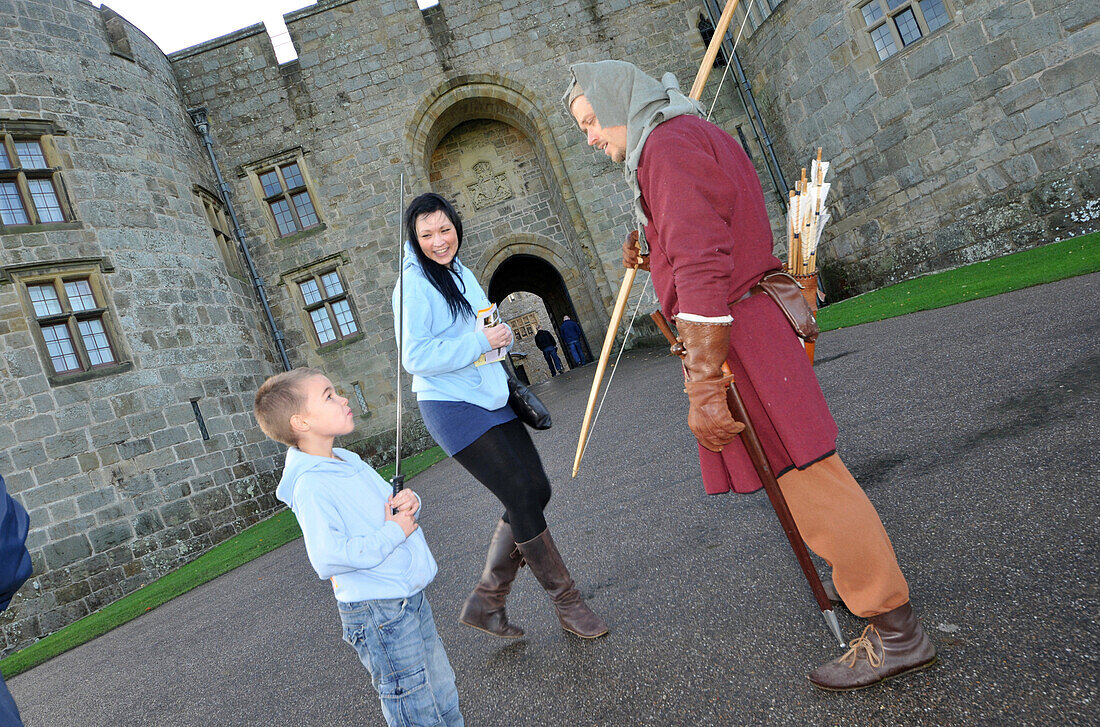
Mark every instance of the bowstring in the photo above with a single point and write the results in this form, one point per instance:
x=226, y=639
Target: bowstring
x=726, y=70
x=649, y=279
x=615, y=366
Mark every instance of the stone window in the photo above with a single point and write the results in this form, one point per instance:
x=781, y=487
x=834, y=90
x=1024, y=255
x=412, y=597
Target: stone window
x=757, y=13
x=74, y=329
x=32, y=191
x=222, y=229
x=894, y=24
x=326, y=304
x=524, y=326
x=284, y=186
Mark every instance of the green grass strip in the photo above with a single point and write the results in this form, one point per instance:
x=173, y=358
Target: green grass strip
x=265, y=536
x=1054, y=261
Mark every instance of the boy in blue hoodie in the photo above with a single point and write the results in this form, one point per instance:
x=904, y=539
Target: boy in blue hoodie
x=366, y=541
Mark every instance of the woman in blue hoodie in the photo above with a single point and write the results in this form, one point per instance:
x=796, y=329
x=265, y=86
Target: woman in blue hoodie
x=465, y=408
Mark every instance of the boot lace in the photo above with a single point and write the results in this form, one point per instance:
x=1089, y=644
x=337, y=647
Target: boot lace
x=863, y=646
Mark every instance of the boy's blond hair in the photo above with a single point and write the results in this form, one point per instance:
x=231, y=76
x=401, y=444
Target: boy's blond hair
x=278, y=399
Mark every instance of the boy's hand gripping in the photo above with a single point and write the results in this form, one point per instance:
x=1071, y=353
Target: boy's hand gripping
x=403, y=513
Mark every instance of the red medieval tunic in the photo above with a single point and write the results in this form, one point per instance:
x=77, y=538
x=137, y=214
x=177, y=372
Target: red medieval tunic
x=710, y=241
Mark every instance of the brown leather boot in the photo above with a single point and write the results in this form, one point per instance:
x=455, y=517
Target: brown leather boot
x=484, y=608
x=892, y=644
x=574, y=614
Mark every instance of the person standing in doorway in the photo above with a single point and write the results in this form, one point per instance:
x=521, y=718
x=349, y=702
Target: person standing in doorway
x=571, y=336
x=549, y=347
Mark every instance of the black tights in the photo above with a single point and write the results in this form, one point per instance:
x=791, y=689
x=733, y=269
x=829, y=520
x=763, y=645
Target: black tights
x=505, y=460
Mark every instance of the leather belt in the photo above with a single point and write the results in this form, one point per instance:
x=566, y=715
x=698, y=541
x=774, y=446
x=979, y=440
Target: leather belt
x=749, y=293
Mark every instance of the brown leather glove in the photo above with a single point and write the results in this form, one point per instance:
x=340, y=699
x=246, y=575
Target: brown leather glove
x=709, y=415
x=632, y=257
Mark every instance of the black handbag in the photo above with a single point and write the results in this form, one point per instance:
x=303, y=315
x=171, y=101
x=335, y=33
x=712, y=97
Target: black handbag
x=525, y=404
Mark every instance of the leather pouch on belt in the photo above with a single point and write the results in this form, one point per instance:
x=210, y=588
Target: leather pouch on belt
x=787, y=294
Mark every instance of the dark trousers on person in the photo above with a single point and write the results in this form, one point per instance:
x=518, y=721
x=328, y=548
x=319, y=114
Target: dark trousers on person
x=9, y=713
x=505, y=460
x=552, y=360
x=576, y=352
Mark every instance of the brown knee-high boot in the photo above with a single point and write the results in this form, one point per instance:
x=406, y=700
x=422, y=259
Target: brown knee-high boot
x=574, y=614
x=484, y=609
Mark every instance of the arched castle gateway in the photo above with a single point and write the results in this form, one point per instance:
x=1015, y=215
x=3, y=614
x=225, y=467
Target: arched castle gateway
x=485, y=143
x=131, y=334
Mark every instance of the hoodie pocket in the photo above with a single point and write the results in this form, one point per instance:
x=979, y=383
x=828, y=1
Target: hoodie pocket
x=468, y=378
x=400, y=560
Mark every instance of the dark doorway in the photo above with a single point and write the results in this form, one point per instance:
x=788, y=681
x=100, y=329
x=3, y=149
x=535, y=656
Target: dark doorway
x=531, y=274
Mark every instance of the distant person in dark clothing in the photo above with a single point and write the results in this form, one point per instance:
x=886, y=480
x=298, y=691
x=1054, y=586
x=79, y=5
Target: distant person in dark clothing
x=571, y=336
x=15, y=568
x=549, y=347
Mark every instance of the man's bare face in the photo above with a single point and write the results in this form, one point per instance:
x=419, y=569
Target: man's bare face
x=610, y=140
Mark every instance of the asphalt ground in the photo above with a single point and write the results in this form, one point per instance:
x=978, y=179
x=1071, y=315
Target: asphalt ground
x=974, y=430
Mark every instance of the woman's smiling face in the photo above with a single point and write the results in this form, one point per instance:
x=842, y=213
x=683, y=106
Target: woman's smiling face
x=437, y=237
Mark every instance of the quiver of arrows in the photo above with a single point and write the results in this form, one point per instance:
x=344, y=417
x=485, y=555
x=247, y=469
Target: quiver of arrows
x=806, y=218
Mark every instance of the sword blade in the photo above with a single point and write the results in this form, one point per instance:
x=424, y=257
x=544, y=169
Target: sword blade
x=398, y=480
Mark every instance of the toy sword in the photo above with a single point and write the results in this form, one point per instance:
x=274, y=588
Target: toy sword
x=398, y=480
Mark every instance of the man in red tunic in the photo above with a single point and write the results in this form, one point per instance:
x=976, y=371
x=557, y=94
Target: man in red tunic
x=701, y=210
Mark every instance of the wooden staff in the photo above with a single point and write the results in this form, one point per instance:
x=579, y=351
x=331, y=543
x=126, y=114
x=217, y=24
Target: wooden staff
x=767, y=477
x=628, y=279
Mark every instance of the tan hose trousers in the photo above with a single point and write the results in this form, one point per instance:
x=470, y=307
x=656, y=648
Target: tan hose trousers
x=840, y=524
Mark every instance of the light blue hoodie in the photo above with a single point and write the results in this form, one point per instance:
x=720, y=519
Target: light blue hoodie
x=439, y=351
x=340, y=505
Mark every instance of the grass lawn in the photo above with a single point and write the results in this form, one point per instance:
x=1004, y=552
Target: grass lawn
x=262, y=537
x=1058, y=260
x=1044, y=264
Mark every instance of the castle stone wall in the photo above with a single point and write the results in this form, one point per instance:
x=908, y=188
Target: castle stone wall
x=976, y=141
x=359, y=103
x=120, y=484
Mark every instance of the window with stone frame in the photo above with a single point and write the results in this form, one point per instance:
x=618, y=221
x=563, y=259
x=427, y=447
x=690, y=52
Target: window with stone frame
x=283, y=184
x=328, y=306
x=32, y=191
x=757, y=11
x=74, y=329
x=524, y=326
x=894, y=24
x=222, y=229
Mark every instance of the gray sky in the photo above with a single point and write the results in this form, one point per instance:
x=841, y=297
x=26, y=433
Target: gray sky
x=177, y=24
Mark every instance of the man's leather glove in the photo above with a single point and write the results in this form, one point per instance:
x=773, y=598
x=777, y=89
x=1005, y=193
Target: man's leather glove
x=709, y=415
x=632, y=257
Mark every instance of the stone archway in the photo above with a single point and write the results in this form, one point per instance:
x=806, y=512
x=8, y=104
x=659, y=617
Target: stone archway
x=532, y=274
x=484, y=142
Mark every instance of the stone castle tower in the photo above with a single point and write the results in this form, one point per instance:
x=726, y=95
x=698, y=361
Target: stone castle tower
x=131, y=333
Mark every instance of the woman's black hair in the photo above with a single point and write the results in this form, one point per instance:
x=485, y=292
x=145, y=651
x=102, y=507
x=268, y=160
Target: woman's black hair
x=442, y=278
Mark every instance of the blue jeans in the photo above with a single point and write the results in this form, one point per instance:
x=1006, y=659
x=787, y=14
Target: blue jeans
x=396, y=640
x=576, y=350
x=552, y=360
x=9, y=713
